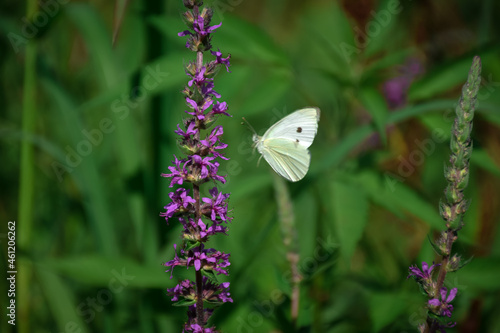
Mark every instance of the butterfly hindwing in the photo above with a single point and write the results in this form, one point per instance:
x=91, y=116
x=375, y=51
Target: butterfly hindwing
x=286, y=157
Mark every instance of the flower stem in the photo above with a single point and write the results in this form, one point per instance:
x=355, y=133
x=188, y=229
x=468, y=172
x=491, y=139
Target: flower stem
x=199, y=299
x=199, y=278
x=196, y=195
x=444, y=262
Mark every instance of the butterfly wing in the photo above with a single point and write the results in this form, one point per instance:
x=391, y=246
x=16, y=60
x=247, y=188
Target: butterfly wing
x=300, y=126
x=288, y=158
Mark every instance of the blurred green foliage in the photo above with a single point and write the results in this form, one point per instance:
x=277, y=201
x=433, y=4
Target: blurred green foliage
x=104, y=117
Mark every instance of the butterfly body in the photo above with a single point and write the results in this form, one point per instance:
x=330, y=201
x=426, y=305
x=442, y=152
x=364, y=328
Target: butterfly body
x=285, y=144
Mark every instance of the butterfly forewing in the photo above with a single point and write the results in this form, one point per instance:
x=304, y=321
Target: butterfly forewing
x=300, y=127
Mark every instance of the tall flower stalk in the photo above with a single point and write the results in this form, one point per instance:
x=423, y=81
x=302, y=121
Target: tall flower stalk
x=200, y=141
x=290, y=241
x=452, y=209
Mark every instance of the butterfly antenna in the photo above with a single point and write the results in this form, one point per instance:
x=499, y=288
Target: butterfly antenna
x=255, y=135
x=249, y=126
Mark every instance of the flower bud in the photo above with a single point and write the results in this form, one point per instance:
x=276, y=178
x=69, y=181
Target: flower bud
x=207, y=14
x=188, y=18
x=454, y=263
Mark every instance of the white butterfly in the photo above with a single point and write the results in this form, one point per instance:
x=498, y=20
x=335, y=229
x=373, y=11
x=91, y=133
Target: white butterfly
x=284, y=145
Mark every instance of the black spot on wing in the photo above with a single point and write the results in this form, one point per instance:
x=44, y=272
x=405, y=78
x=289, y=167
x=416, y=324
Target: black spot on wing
x=299, y=130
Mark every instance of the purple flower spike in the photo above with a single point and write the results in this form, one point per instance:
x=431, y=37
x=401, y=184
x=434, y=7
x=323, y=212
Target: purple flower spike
x=200, y=217
x=442, y=307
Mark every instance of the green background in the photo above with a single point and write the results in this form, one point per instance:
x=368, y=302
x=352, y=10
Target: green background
x=90, y=242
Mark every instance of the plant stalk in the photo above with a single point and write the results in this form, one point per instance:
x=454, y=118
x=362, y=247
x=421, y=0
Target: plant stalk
x=289, y=234
x=27, y=176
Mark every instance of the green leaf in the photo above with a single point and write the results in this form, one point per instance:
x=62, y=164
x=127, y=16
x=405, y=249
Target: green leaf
x=191, y=245
x=210, y=275
x=185, y=302
x=386, y=307
x=340, y=151
x=350, y=209
x=331, y=53
x=480, y=275
x=257, y=44
x=98, y=40
x=463, y=263
x=397, y=197
x=99, y=271
x=382, y=29
x=163, y=74
x=375, y=105
x=60, y=300
x=481, y=158
x=440, y=80
x=85, y=173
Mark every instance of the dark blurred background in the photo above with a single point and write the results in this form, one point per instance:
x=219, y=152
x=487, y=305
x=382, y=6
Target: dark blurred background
x=91, y=98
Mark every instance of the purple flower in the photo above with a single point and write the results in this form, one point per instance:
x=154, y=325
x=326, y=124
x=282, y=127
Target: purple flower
x=177, y=261
x=199, y=78
x=180, y=203
x=442, y=307
x=191, y=130
x=207, y=259
x=184, y=33
x=216, y=205
x=220, y=108
x=198, y=109
x=441, y=326
x=395, y=91
x=208, y=89
x=192, y=325
x=195, y=328
x=424, y=274
x=220, y=60
x=202, y=164
x=201, y=29
x=211, y=141
x=396, y=88
x=212, y=230
x=177, y=173
x=215, y=176
x=185, y=289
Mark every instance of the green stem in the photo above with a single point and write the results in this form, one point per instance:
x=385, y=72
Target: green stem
x=289, y=234
x=196, y=194
x=27, y=176
x=199, y=277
